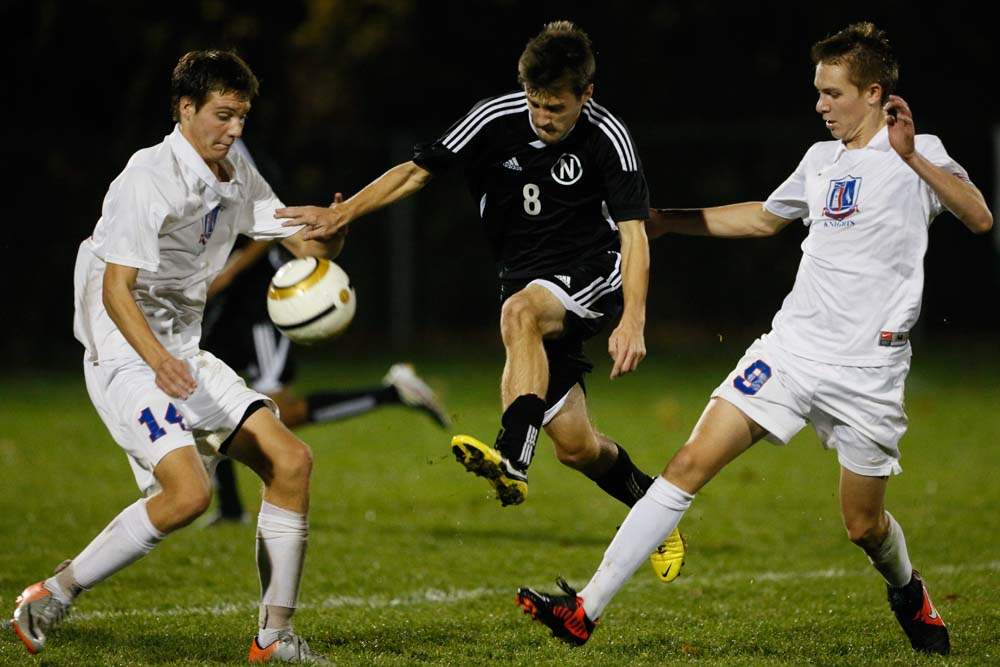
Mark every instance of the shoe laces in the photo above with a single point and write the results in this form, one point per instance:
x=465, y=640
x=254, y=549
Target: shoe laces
x=49, y=611
x=566, y=588
x=300, y=647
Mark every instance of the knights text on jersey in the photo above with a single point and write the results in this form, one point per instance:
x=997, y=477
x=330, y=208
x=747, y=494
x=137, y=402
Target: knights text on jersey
x=544, y=207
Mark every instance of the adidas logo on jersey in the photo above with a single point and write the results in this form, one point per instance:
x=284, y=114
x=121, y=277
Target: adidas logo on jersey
x=513, y=164
x=563, y=279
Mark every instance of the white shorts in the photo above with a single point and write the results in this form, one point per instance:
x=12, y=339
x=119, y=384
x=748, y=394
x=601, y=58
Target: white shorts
x=148, y=424
x=856, y=410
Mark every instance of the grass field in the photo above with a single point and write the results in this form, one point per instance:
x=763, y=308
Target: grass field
x=411, y=561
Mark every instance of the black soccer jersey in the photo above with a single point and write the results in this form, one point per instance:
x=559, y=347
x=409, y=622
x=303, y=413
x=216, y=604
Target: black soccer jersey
x=545, y=207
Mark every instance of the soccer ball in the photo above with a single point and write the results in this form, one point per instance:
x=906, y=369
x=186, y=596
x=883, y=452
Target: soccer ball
x=310, y=299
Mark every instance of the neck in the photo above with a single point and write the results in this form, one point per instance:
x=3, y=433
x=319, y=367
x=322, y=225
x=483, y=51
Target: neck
x=868, y=129
x=215, y=166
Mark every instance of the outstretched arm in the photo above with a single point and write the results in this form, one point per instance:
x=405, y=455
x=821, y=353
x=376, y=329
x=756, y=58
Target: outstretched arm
x=745, y=220
x=321, y=223
x=958, y=195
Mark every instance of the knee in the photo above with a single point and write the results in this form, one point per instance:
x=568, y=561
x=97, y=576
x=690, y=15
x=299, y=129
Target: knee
x=188, y=502
x=684, y=464
x=294, y=465
x=517, y=317
x=579, y=458
x=866, y=531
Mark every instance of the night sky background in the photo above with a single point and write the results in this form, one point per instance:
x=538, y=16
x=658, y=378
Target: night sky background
x=718, y=97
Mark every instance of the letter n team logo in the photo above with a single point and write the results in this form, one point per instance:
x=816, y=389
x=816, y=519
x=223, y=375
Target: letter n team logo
x=842, y=198
x=567, y=170
x=208, y=224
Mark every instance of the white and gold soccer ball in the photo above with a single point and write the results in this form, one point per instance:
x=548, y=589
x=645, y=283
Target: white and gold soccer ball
x=310, y=300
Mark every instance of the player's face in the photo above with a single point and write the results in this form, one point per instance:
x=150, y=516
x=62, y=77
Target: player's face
x=847, y=111
x=554, y=113
x=213, y=127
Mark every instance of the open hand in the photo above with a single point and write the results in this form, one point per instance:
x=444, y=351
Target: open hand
x=899, y=118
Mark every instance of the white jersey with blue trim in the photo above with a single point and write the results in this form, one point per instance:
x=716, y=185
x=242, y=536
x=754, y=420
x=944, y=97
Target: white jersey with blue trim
x=859, y=285
x=169, y=216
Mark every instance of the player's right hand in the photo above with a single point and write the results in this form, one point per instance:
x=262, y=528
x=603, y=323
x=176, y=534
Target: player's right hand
x=320, y=223
x=174, y=378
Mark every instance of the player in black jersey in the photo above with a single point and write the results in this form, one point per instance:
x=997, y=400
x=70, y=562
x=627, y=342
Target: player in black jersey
x=562, y=196
x=238, y=330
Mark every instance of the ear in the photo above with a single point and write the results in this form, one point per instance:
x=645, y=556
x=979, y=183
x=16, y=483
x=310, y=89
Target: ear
x=186, y=108
x=588, y=92
x=874, y=94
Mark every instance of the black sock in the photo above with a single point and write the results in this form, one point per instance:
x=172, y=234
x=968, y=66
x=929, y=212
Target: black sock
x=229, y=496
x=332, y=405
x=519, y=428
x=624, y=481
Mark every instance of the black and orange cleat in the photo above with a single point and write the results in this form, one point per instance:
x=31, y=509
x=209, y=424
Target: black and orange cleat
x=562, y=614
x=920, y=620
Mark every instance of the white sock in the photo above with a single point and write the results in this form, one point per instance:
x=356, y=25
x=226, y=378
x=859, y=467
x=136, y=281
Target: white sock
x=281, y=549
x=891, y=558
x=646, y=526
x=129, y=537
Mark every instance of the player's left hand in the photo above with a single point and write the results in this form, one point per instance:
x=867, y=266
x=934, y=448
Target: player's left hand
x=899, y=119
x=627, y=347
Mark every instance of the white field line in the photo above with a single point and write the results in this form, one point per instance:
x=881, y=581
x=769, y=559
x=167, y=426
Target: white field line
x=435, y=596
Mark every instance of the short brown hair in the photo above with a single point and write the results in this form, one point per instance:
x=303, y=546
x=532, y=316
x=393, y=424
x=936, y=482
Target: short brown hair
x=866, y=52
x=199, y=73
x=559, y=56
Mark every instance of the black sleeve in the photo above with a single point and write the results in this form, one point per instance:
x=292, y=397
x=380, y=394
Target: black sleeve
x=627, y=194
x=464, y=140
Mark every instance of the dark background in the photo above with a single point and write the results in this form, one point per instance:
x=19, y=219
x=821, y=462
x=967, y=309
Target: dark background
x=718, y=96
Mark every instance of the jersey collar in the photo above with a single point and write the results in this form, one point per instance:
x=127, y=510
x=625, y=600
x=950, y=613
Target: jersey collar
x=186, y=153
x=879, y=142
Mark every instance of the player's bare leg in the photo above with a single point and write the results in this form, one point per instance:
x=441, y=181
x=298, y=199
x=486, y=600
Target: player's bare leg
x=526, y=319
x=862, y=504
x=184, y=495
x=723, y=432
x=284, y=464
x=580, y=446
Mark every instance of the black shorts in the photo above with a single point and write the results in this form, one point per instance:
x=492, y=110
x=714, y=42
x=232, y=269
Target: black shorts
x=251, y=347
x=591, y=292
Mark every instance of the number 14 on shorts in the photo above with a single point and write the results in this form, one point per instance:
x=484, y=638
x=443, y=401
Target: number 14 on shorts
x=172, y=416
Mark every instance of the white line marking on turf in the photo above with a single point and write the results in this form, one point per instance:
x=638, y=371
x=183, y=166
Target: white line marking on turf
x=436, y=596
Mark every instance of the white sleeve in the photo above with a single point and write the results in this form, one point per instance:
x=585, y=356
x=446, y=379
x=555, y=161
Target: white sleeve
x=134, y=210
x=933, y=151
x=789, y=200
x=264, y=225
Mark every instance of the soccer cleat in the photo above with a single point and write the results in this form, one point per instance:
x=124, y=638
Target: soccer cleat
x=288, y=647
x=920, y=620
x=510, y=483
x=668, y=559
x=415, y=393
x=562, y=614
x=37, y=612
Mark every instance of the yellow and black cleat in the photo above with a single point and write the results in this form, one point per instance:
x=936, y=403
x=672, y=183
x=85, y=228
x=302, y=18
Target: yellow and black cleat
x=668, y=559
x=510, y=483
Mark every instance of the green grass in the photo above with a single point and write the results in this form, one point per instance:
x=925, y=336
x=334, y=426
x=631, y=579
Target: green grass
x=410, y=560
